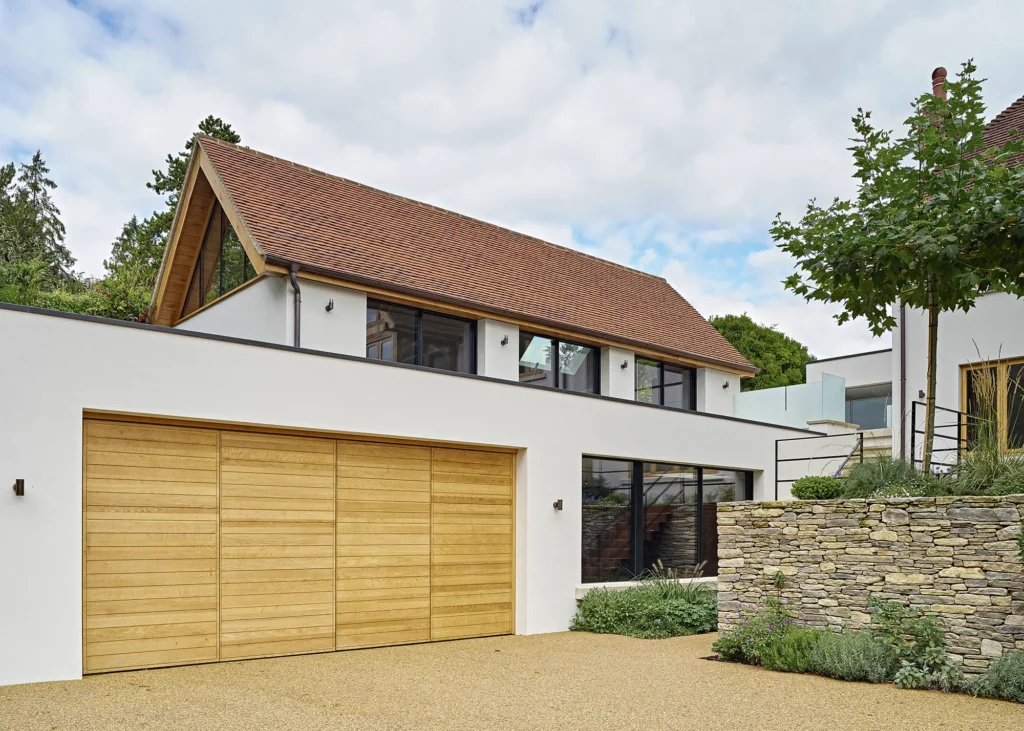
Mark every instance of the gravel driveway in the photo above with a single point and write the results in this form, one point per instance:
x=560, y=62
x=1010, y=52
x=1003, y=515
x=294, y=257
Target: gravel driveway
x=557, y=681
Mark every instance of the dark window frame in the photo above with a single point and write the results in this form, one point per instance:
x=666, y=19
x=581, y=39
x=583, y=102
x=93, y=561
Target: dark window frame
x=556, y=360
x=636, y=504
x=660, y=388
x=418, y=313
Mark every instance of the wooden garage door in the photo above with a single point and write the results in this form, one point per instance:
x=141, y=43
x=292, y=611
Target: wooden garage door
x=383, y=544
x=150, y=546
x=471, y=545
x=205, y=545
x=277, y=545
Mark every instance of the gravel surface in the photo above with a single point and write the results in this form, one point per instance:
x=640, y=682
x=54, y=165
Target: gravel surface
x=557, y=681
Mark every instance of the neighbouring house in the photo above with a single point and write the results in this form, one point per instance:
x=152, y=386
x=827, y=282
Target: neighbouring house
x=356, y=420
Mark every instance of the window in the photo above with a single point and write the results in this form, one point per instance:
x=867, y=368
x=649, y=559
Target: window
x=222, y=264
x=576, y=367
x=868, y=406
x=993, y=398
x=666, y=384
x=402, y=334
x=637, y=515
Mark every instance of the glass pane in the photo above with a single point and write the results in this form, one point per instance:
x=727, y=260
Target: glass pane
x=212, y=276
x=607, y=512
x=577, y=367
x=447, y=343
x=648, y=380
x=720, y=486
x=982, y=408
x=867, y=413
x=535, y=360
x=670, y=517
x=1015, y=406
x=678, y=387
x=392, y=328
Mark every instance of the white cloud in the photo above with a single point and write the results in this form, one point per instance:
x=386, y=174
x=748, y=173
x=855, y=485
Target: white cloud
x=662, y=134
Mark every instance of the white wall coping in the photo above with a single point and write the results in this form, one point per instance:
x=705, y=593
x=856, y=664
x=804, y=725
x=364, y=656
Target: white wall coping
x=582, y=589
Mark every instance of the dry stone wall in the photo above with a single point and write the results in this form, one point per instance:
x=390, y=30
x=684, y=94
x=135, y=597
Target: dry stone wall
x=955, y=557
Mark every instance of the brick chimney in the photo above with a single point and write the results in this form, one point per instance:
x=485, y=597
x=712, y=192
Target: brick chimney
x=939, y=82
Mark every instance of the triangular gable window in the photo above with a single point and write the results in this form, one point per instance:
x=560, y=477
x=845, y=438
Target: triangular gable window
x=222, y=264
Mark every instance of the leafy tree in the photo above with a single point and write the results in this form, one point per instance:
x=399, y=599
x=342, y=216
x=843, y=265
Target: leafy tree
x=30, y=225
x=141, y=243
x=936, y=222
x=780, y=358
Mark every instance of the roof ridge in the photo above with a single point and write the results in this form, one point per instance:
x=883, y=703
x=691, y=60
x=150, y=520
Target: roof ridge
x=413, y=201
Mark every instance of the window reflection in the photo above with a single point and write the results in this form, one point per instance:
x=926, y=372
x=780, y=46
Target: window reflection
x=607, y=528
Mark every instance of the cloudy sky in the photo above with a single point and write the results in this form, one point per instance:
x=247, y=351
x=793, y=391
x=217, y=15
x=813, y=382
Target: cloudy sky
x=663, y=135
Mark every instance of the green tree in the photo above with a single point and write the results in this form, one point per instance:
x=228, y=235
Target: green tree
x=30, y=225
x=936, y=222
x=780, y=358
x=141, y=244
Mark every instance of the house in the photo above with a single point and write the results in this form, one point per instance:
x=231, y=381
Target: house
x=356, y=420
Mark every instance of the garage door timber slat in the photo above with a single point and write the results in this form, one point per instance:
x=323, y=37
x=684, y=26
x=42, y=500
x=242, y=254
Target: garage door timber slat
x=202, y=545
x=383, y=492
x=276, y=528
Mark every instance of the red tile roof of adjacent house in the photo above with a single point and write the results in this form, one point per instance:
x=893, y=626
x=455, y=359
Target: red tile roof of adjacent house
x=345, y=229
x=1010, y=120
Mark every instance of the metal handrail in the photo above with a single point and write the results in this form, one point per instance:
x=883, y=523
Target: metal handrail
x=859, y=444
x=963, y=420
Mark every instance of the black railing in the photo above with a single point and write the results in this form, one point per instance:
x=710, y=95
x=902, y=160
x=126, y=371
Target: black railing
x=856, y=450
x=960, y=438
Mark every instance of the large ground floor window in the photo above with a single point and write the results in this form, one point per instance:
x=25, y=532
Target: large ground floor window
x=639, y=514
x=992, y=394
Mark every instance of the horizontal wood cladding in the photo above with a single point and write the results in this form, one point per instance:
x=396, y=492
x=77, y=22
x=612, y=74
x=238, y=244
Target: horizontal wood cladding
x=203, y=545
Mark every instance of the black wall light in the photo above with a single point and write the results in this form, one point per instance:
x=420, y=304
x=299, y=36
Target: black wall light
x=504, y=340
x=330, y=305
x=557, y=505
x=625, y=365
x=19, y=487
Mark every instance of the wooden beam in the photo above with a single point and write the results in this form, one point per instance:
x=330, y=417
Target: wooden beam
x=256, y=256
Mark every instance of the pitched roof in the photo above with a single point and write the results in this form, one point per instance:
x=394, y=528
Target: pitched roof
x=352, y=231
x=998, y=130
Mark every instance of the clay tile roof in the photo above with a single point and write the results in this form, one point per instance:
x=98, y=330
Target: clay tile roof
x=342, y=228
x=998, y=131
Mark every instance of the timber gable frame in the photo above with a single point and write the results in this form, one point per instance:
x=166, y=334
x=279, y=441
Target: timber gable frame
x=205, y=185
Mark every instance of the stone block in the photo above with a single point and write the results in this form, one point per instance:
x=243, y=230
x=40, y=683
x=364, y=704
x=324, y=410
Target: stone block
x=983, y=515
x=991, y=648
x=884, y=535
x=957, y=572
x=895, y=516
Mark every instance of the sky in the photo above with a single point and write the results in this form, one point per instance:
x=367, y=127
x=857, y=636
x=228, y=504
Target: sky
x=661, y=135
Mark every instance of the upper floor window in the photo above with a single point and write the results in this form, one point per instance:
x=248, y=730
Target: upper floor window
x=666, y=384
x=222, y=264
x=403, y=334
x=558, y=363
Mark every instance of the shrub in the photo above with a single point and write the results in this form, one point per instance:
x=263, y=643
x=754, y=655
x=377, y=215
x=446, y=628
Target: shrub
x=854, y=656
x=657, y=607
x=792, y=652
x=869, y=478
x=817, y=488
x=918, y=643
x=755, y=633
x=1010, y=480
x=1004, y=679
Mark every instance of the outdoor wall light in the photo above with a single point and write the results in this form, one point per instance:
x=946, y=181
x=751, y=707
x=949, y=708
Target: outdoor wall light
x=625, y=364
x=557, y=505
x=725, y=385
x=504, y=340
x=19, y=488
x=330, y=305
x=920, y=393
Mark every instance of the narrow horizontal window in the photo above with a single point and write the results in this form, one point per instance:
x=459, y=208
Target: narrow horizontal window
x=403, y=334
x=557, y=363
x=666, y=384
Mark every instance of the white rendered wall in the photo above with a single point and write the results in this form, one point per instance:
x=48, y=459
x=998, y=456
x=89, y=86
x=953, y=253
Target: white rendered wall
x=66, y=365
x=342, y=330
x=993, y=329
x=492, y=358
x=617, y=381
x=715, y=391
x=862, y=369
x=255, y=313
